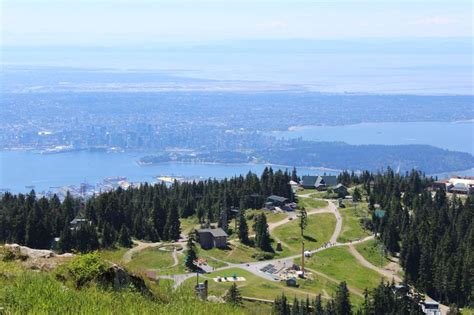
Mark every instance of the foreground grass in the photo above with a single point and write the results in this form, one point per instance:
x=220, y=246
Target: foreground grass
x=27, y=292
x=372, y=253
x=338, y=263
x=352, y=228
x=319, y=230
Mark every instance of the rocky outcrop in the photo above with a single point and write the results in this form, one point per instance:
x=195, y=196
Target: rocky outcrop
x=35, y=259
x=118, y=278
x=24, y=252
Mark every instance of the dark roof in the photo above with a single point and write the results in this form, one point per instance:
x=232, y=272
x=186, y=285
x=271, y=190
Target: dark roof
x=308, y=180
x=329, y=180
x=277, y=198
x=339, y=186
x=215, y=232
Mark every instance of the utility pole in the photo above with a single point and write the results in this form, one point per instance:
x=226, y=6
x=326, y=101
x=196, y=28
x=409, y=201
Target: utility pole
x=303, y=223
x=302, y=255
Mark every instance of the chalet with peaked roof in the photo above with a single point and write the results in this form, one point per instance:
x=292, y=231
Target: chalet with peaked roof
x=340, y=189
x=319, y=182
x=210, y=238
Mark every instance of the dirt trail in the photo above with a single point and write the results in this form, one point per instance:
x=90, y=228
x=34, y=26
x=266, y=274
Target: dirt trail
x=174, y=254
x=389, y=274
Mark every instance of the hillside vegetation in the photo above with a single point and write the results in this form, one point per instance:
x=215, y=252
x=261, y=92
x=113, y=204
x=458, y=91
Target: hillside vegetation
x=24, y=291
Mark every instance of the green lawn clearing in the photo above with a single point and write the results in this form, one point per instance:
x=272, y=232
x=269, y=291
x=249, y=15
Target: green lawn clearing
x=372, y=252
x=310, y=203
x=236, y=253
x=352, y=228
x=271, y=216
x=319, y=230
x=339, y=264
x=114, y=255
x=151, y=258
x=258, y=287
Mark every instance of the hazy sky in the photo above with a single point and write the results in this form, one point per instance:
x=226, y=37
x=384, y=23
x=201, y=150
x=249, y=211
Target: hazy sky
x=120, y=22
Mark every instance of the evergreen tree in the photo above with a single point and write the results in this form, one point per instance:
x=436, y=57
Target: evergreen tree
x=86, y=238
x=243, y=231
x=224, y=220
x=294, y=176
x=233, y=295
x=295, y=308
x=318, y=305
x=173, y=225
x=356, y=195
x=342, y=301
x=109, y=236
x=262, y=236
x=66, y=240
x=158, y=216
x=280, y=306
x=124, y=238
x=191, y=252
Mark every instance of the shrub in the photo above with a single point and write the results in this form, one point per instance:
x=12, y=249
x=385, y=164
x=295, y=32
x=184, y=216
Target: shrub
x=263, y=255
x=7, y=254
x=85, y=268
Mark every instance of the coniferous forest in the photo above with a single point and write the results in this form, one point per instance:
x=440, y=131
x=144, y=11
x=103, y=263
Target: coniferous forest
x=149, y=212
x=432, y=233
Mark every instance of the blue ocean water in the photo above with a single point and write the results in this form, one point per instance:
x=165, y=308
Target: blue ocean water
x=446, y=135
x=19, y=169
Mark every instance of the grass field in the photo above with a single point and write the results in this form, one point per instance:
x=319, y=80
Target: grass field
x=351, y=227
x=310, y=203
x=178, y=269
x=372, y=253
x=319, y=230
x=305, y=191
x=237, y=253
x=271, y=217
x=258, y=287
x=255, y=286
x=114, y=255
x=150, y=258
x=339, y=264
